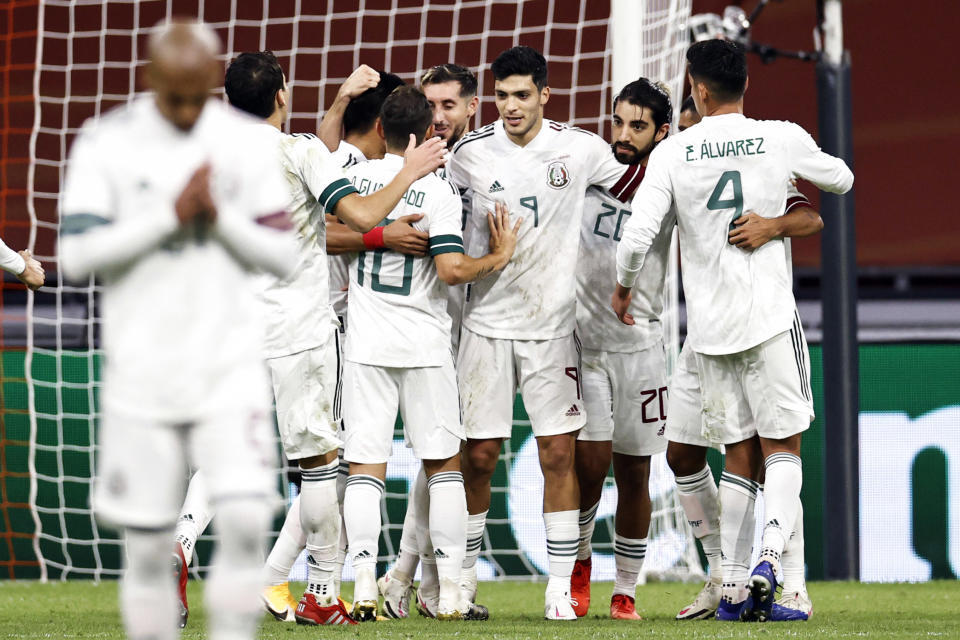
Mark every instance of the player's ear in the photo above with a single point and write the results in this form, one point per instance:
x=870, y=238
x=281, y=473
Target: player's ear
x=380, y=130
x=544, y=95
x=472, y=106
x=662, y=132
x=281, y=98
x=429, y=133
x=746, y=84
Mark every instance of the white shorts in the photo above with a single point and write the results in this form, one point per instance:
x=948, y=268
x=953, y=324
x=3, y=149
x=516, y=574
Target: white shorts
x=426, y=398
x=684, y=411
x=142, y=466
x=547, y=372
x=306, y=387
x=626, y=399
x=764, y=390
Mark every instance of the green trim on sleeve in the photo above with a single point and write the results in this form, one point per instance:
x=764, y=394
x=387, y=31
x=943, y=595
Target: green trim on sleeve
x=80, y=222
x=447, y=243
x=335, y=192
x=446, y=248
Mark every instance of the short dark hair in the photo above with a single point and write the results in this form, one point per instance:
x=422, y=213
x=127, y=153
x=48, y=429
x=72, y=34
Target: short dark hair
x=688, y=105
x=362, y=112
x=252, y=82
x=405, y=111
x=721, y=65
x=645, y=93
x=451, y=73
x=521, y=61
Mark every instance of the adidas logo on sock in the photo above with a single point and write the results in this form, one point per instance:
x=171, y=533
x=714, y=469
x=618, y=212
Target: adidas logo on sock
x=574, y=410
x=362, y=554
x=440, y=555
x=495, y=187
x=310, y=560
x=773, y=523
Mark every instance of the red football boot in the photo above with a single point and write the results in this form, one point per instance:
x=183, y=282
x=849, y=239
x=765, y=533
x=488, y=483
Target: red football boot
x=621, y=608
x=180, y=571
x=309, y=612
x=580, y=587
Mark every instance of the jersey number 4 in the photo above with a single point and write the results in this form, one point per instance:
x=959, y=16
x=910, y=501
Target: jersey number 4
x=718, y=203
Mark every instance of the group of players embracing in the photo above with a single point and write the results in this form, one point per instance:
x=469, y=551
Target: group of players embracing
x=534, y=217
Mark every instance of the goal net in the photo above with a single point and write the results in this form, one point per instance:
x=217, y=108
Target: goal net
x=87, y=58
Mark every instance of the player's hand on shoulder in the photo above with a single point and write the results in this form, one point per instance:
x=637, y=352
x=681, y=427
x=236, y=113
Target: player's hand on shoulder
x=426, y=158
x=194, y=205
x=400, y=236
x=32, y=274
x=752, y=231
x=620, y=301
x=363, y=77
x=503, y=236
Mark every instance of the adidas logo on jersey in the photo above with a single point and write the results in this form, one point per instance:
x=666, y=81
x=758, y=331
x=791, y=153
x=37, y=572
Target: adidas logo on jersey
x=574, y=410
x=495, y=187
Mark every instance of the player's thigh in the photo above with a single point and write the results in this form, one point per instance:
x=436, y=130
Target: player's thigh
x=549, y=379
x=141, y=472
x=639, y=401
x=684, y=408
x=370, y=402
x=727, y=416
x=777, y=386
x=597, y=397
x=307, y=391
x=486, y=379
x=430, y=410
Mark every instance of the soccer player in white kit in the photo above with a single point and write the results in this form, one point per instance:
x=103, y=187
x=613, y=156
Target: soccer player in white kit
x=398, y=358
x=451, y=90
x=518, y=327
x=743, y=329
x=624, y=370
x=170, y=200
x=23, y=265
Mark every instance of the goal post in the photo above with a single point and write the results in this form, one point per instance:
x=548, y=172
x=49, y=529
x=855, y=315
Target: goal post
x=88, y=58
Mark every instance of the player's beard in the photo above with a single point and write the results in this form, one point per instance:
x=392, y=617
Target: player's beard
x=629, y=154
x=455, y=136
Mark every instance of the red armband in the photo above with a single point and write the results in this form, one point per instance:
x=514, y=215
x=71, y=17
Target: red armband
x=373, y=239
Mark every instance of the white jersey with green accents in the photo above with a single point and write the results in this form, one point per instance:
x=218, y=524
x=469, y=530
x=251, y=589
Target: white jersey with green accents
x=597, y=325
x=713, y=173
x=345, y=156
x=534, y=297
x=298, y=315
x=398, y=304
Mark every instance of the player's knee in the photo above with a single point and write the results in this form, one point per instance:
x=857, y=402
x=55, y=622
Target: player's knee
x=632, y=473
x=680, y=461
x=556, y=455
x=481, y=459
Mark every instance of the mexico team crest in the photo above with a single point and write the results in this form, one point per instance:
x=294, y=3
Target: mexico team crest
x=557, y=175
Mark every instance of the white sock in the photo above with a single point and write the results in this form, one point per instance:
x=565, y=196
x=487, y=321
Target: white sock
x=628, y=555
x=448, y=532
x=792, y=560
x=429, y=577
x=476, y=523
x=287, y=547
x=342, y=546
x=320, y=519
x=148, y=593
x=232, y=593
x=737, y=497
x=361, y=515
x=698, y=496
x=563, y=538
x=194, y=517
x=587, y=519
x=409, y=556
x=781, y=494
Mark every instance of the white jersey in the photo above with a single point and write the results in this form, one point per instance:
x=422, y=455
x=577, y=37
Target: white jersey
x=10, y=260
x=346, y=156
x=598, y=326
x=712, y=173
x=534, y=297
x=298, y=314
x=179, y=314
x=398, y=303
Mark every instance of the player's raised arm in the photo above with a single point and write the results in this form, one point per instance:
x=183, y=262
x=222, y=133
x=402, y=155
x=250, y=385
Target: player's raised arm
x=811, y=163
x=363, y=213
x=330, y=130
x=455, y=267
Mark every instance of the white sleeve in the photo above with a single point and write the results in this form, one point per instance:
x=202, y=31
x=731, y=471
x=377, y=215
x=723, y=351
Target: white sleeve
x=457, y=171
x=10, y=260
x=810, y=163
x=444, y=231
x=319, y=171
x=650, y=205
x=91, y=240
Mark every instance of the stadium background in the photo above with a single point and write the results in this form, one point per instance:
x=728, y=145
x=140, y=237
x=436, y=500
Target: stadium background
x=903, y=130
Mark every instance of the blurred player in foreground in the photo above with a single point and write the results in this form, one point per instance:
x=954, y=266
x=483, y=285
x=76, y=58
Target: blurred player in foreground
x=23, y=265
x=451, y=90
x=624, y=370
x=750, y=354
x=398, y=359
x=170, y=201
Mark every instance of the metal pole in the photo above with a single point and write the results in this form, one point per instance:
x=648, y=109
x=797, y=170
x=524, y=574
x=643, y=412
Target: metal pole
x=839, y=292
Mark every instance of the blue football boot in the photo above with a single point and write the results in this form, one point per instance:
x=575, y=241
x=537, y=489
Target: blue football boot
x=729, y=611
x=763, y=589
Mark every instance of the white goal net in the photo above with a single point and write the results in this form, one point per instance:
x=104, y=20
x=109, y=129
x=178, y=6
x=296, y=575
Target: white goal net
x=88, y=58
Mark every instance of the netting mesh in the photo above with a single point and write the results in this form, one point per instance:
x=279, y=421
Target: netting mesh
x=88, y=56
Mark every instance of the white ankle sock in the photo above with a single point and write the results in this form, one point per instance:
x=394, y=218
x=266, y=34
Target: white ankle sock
x=781, y=495
x=195, y=515
x=476, y=522
x=563, y=539
x=792, y=560
x=320, y=519
x=737, y=498
x=448, y=531
x=698, y=496
x=587, y=521
x=361, y=514
x=628, y=554
x=287, y=548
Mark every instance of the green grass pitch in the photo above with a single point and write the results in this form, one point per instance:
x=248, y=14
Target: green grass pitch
x=841, y=610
